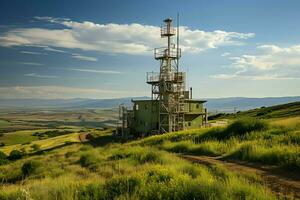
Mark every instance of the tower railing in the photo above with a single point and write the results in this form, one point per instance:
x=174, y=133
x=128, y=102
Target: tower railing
x=155, y=77
x=167, y=31
x=163, y=52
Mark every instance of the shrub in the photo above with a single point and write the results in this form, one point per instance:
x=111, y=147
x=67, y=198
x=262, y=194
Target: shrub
x=148, y=156
x=88, y=160
x=238, y=128
x=69, y=154
x=2, y=155
x=181, y=147
x=15, y=155
x=121, y=186
x=286, y=157
x=91, y=191
x=35, y=147
x=243, y=126
x=30, y=167
x=3, y=158
x=2, y=144
x=140, y=154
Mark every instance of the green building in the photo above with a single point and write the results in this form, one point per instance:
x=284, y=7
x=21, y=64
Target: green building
x=143, y=119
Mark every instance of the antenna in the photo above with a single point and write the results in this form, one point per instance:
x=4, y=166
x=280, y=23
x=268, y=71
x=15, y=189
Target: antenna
x=177, y=41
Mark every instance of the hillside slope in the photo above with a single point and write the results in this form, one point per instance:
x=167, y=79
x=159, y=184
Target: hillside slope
x=278, y=111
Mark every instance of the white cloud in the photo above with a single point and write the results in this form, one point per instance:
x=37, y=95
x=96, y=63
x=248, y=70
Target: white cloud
x=225, y=54
x=115, y=38
x=97, y=71
x=39, y=76
x=32, y=53
x=32, y=63
x=270, y=63
x=52, y=49
x=265, y=77
x=53, y=92
x=85, y=58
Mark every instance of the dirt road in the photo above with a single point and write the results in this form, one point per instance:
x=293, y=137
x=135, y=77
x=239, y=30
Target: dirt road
x=285, y=184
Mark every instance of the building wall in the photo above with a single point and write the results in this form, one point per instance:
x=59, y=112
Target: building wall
x=145, y=116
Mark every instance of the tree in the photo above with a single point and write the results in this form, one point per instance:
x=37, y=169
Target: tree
x=15, y=155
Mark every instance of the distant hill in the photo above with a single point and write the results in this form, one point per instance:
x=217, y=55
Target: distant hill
x=283, y=110
x=229, y=105
x=65, y=103
x=278, y=111
x=214, y=105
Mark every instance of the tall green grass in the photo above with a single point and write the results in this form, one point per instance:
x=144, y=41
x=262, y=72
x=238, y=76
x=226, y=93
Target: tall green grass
x=247, y=139
x=129, y=172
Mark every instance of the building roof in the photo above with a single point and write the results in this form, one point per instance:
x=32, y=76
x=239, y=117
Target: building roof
x=188, y=100
x=141, y=100
x=195, y=100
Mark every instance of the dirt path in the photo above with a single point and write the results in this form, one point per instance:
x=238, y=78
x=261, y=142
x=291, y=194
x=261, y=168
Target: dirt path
x=285, y=184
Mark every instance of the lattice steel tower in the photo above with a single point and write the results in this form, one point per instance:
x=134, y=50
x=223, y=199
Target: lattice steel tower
x=168, y=85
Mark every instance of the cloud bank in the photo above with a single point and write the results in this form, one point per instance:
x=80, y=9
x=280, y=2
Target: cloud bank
x=54, y=92
x=270, y=63
x=134, y=39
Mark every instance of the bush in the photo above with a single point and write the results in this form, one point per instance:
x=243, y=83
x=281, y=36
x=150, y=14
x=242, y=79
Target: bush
x=123, y=185
x=139, y=154
x=243, y=126
x=30, y=167
x=2, y=155
x=286, y=157
x=181, y=147
x=238, y=128
x=148, y=157
x=2, y=144
x=15, y=155
x=88, y=160
x=91, y=191
x=35, y=147
x=3, y=158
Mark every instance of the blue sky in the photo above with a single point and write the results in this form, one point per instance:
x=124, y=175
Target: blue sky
x=103, y=49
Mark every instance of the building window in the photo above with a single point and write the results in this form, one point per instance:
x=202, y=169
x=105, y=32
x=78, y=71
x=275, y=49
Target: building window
x=137, y=107
x=189, y=123
x=146, y=107
x=197, y=105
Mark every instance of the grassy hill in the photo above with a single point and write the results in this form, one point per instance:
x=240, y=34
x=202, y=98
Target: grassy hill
x=278, y=111
x=121, y=171
x=106, y=167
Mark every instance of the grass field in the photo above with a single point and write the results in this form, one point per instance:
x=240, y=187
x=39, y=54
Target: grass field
x=43, y=144
x=273, y=143
x=151, y=168
x=18, y=137
x=122, y=172
x=4, y=123
x=14, y=120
